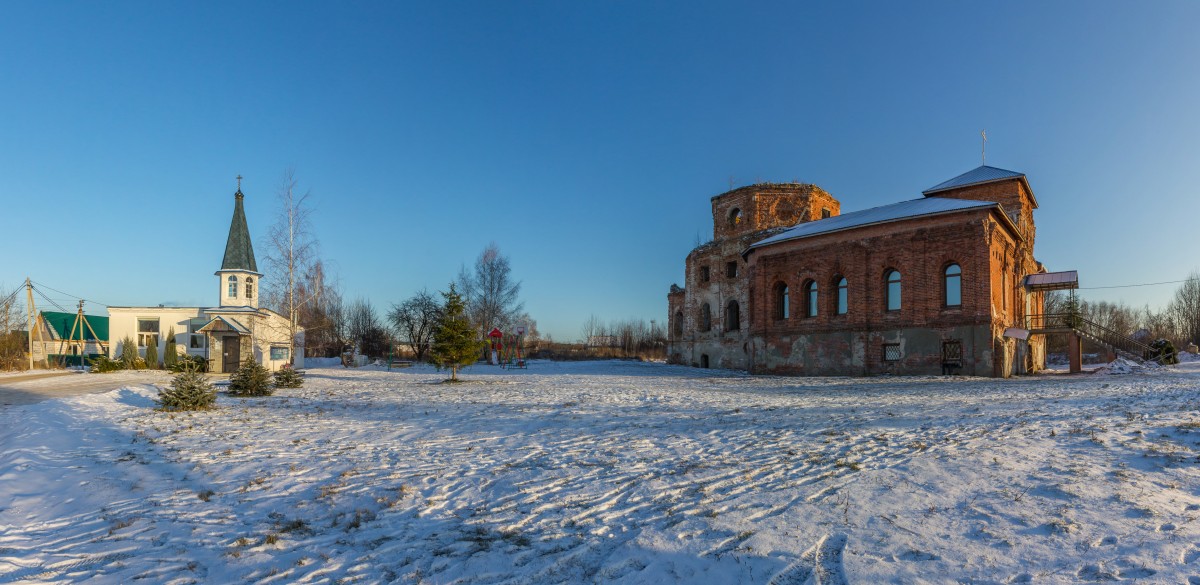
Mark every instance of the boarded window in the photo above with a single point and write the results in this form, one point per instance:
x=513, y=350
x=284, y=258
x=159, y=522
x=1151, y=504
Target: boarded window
x=891, y=352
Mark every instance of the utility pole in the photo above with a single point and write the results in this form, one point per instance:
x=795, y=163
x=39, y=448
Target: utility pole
x=31, y=321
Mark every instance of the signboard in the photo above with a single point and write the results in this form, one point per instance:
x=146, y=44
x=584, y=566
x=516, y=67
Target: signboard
x=496, y=333
x=519, y=330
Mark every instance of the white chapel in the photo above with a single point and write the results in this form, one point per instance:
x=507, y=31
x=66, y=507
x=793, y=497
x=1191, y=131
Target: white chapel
x=226, y=335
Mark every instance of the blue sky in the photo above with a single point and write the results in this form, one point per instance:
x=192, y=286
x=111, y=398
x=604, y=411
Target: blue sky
x=584, y=138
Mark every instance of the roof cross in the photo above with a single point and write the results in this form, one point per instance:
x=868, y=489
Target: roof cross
x=983, y=150
x=239, y=178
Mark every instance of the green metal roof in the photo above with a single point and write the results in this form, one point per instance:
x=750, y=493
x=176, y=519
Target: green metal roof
x=239, y=252
x=63, y=322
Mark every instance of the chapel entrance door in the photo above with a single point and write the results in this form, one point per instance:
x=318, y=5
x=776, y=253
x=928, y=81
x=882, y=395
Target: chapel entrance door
x=231, y=353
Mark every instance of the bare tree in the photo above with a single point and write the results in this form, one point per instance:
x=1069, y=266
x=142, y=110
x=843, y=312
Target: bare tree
x=323, y=316
x=364, y=328
x=1185, y=308
x=591, y=329
x=12, y=322
x=491, y=295
x=291, y=252
x=414, y=321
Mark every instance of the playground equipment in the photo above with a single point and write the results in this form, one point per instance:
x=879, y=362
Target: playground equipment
x=508, y=349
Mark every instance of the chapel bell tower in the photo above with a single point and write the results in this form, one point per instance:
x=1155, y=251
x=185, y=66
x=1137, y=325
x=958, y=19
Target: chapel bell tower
x=239, y=280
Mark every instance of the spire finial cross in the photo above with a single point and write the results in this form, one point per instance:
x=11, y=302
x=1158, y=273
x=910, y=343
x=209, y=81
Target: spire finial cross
x=239, y=178
x=983, y=150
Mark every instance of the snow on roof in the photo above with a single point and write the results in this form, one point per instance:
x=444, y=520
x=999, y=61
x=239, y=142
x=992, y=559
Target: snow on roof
x=976, y=176
x=875, y=215
x=1066, y=279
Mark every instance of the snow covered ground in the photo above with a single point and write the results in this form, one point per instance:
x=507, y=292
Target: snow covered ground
x=613, y=472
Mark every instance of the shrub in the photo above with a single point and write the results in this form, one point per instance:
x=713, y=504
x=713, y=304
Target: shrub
x=288, y=377
x=251, y=380
x=190, y=362
x=129, y=353
x=1163, y=352
x=152, y=356
x=171, y=353
x=190, y=390
x=102, y=365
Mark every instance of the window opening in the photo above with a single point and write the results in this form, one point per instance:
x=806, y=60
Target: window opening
x=249, y=288
x=842, y=297
x=731, y=269
x=703, y=274
x=811, y=293
x=232, y=286
x=953, y=285
x=732, y=317
x=781, y=301
x=891, y=352
x=705, y=317
x=893, y=290
x=147, y=332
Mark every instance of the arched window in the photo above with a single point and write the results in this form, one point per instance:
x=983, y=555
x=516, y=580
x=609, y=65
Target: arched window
x=810, y=299
x=953, y=285
x=249, y=288
x=705, y=317
x=842, y=300
x=678, y=326
x=232, y=286
x=781, y=301
x=732, y=317
x=735, y=217
x=892, y=292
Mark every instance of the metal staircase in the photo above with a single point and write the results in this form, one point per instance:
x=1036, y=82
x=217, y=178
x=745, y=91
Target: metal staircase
x=1119, y=343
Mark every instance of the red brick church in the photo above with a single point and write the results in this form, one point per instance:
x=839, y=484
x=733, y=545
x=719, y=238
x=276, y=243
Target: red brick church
x=791, y=285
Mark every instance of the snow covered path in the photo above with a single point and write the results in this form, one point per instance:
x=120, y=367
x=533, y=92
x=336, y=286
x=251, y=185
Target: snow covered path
x=613, y=472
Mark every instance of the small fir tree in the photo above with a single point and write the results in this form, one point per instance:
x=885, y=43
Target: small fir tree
x=455, y=343
x=250, y=380
x=190, y=390
x=129, y=353
x=171, y=354
x=152, y=355
x=288, y=377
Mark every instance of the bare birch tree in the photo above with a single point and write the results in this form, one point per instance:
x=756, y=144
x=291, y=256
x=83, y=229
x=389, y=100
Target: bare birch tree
x=491, y=295
x=291, y=254
x=12, y=321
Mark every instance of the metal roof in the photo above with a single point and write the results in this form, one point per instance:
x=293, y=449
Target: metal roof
x=239, y=252
x=61, y=325
x=220, y=323
x=876, y=215
x=1067, y=279
x=976, y=176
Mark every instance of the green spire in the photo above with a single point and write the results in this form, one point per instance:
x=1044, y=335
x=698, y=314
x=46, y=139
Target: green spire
x=239, y=252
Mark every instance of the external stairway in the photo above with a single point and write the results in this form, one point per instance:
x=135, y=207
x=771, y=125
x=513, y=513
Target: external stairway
x=1120, y=344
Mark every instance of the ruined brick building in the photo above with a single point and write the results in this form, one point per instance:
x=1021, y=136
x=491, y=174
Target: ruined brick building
x=791, y=285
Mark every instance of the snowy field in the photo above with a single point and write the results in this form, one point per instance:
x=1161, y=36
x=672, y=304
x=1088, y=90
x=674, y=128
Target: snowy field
x=613, y=472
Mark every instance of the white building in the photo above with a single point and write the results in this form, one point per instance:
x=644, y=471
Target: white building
x=227, y=335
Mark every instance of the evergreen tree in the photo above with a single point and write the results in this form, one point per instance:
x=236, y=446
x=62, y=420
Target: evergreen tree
x=152, y=355
x=129, y=353
x=288, y=377
x=171, y=355
x=190, y=390
x=250, y=380
x=455, y=342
